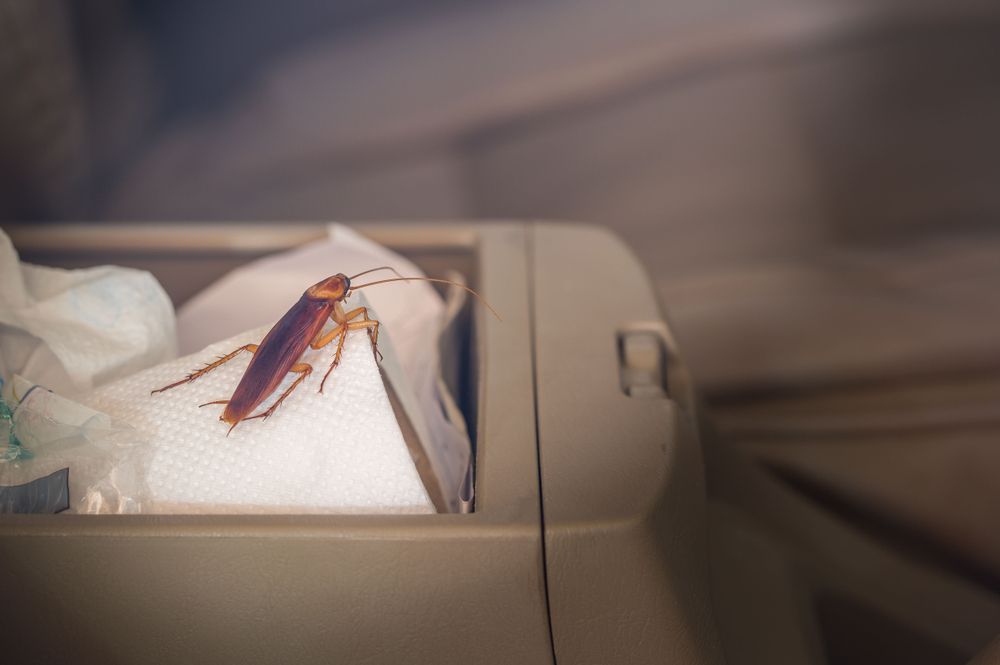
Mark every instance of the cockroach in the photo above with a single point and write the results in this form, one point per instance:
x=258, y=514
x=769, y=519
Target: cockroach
x=300, y=327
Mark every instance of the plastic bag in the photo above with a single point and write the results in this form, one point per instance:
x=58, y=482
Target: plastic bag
x=57, y=455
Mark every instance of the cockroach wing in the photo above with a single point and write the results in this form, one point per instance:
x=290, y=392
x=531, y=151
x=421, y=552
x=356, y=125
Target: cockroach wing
x=281, y=348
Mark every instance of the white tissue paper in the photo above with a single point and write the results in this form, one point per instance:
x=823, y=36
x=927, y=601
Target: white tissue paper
x=71, y=330
x=340, y=451
x=412, y=313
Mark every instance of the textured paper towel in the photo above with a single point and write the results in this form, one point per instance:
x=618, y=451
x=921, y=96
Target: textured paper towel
x=337, y=452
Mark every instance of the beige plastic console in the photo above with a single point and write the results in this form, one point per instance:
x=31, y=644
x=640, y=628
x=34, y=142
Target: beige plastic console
x=587, y=540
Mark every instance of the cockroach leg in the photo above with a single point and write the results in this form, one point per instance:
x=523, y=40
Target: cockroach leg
x=207, y=368
x=219, y=401
x=372, y=329
x=336, y=356
x=322, y=340
x=371, y=325
x=304, y=370
x=368, y=321
x=340, y=318
x=344, y=323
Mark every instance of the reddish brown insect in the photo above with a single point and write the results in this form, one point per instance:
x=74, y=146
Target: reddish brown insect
x=300, y=327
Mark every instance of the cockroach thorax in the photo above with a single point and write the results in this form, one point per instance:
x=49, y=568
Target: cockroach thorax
x=332, y=288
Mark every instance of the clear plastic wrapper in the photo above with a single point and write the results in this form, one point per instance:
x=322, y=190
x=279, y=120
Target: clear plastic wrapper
x=59, y=456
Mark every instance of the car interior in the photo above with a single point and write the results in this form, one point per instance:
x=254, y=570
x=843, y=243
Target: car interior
x=739, y=401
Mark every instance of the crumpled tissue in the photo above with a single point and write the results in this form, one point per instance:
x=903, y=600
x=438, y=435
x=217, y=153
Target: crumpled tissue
x=59, y=455
x=72, y=330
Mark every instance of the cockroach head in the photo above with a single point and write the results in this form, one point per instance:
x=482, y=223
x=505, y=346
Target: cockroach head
x=331, y=288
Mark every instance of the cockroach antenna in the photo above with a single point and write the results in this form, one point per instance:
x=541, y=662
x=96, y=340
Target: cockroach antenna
x=431, y=279
x=353, y=277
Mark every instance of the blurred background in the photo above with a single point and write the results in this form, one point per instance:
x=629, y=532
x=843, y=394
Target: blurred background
x=813, y=185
